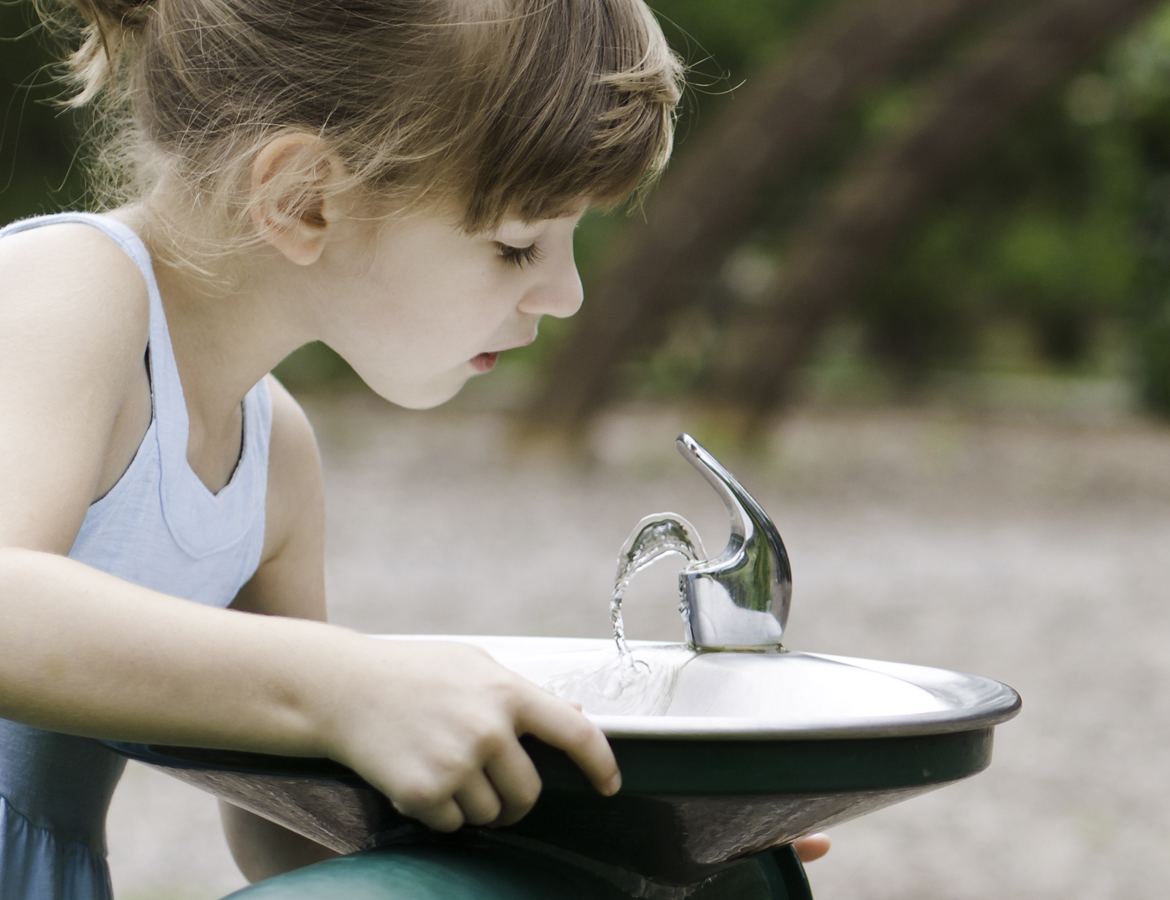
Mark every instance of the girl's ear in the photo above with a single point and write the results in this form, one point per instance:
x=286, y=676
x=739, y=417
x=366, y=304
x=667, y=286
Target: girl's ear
x=291, y=178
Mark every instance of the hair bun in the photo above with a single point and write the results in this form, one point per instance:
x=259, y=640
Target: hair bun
x=124, y=14
x=108, y=25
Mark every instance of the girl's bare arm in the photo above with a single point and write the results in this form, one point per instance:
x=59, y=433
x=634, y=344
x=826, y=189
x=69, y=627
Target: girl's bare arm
x=432, y=725
x=289, y=582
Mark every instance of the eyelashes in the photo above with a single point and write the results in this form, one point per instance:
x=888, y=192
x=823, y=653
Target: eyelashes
x=519, y=256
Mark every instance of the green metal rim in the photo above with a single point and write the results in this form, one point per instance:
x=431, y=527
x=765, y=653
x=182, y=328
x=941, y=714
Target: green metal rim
x=768, y=767
x=684, y=766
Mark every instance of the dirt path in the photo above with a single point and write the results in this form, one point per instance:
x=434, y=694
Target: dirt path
x=1035, y=554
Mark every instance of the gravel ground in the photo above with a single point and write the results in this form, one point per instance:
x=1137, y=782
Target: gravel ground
x=1034, y=553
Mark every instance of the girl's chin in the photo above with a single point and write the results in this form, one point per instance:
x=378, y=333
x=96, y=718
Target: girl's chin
x=423, y=396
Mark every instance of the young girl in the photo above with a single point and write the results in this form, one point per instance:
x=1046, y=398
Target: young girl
x=398, y=178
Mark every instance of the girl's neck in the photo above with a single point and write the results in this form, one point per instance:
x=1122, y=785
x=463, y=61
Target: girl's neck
x=229, y=327
x=227, y=334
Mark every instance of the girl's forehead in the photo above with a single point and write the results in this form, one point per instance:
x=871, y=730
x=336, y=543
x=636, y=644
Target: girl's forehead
x=513, y=224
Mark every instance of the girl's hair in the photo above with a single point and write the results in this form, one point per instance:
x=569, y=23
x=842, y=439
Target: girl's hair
x=518, y=108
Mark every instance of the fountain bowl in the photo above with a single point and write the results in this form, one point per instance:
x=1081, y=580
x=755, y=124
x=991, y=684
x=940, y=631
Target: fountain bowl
x=753, y=750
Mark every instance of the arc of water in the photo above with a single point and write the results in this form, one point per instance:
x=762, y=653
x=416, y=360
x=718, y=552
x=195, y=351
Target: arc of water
x=654, y=537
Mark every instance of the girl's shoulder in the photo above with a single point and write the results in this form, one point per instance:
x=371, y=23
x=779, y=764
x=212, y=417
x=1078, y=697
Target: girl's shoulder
x=71, y=279
x=74, y=396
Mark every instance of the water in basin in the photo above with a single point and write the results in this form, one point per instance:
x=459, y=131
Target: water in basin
x=639, y=682
x=781, y=693
x=799, y=689
x=622, y=682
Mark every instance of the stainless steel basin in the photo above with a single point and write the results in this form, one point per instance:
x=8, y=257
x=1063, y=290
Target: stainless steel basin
x=757, y=695
x=751, y=749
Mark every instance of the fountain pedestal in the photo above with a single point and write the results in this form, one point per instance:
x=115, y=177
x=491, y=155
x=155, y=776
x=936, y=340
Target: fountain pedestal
x=483, y=867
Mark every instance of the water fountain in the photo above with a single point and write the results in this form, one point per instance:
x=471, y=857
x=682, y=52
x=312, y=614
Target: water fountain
x=730, y=747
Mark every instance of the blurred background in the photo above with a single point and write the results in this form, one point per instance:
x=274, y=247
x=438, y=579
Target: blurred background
x=909, y=275
x=872, y=201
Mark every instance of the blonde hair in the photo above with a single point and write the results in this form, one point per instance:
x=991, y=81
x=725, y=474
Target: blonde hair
x=505, y=108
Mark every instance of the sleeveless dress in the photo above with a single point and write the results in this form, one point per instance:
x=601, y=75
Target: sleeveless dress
x=159, y=527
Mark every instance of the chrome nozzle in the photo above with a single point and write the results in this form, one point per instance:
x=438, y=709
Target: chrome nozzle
x=740, y=599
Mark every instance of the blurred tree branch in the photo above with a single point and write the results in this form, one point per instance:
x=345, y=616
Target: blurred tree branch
x=878, y=198
x=697, y=213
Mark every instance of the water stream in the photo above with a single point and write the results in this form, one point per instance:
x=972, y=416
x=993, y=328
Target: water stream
x=653, y=538
x=639, y=681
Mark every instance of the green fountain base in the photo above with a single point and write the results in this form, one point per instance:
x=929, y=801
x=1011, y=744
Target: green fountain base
x=486, y=867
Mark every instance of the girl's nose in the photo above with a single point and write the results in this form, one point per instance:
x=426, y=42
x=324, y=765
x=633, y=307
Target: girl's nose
x=559, y=295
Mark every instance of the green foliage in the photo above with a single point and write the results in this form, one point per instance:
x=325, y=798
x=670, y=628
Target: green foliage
x=38, y=140
x=315, y=366
x=1058, y=232
x=1062, y=229
x=1041, y=231
x=1146, y=67
x=733, y=37
x=919, y=312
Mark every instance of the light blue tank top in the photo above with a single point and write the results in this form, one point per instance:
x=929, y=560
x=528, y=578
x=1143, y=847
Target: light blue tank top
x=159, y=527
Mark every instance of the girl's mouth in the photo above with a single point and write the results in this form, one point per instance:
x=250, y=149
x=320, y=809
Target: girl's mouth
x=484, y=362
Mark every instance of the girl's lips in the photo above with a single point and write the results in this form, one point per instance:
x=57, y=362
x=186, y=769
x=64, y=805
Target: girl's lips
x=484, y=362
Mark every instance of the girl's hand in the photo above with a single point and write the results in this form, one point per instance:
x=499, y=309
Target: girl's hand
x=812, y=847
x=436, y=726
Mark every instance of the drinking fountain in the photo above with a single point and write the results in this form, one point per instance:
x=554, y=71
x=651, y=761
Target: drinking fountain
x=730, y=747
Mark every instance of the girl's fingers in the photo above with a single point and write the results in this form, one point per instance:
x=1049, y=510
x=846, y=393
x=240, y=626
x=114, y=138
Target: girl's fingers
x=443, y=816
x=812, y=847
x=516, y=782
x=555, y=722
x=478, y=800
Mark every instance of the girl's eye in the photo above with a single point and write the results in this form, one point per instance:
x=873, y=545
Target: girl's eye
x=519, y=256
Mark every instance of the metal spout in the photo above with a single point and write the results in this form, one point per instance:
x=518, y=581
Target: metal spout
x=739, y=600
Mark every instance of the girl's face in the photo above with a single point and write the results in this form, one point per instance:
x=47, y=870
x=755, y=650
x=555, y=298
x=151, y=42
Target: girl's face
x=425, y=306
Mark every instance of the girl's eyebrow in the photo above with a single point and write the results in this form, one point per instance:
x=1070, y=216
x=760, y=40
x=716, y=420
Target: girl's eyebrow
x=514, y=228
x=505, y=230
x=568, y=211
x=501, y=235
